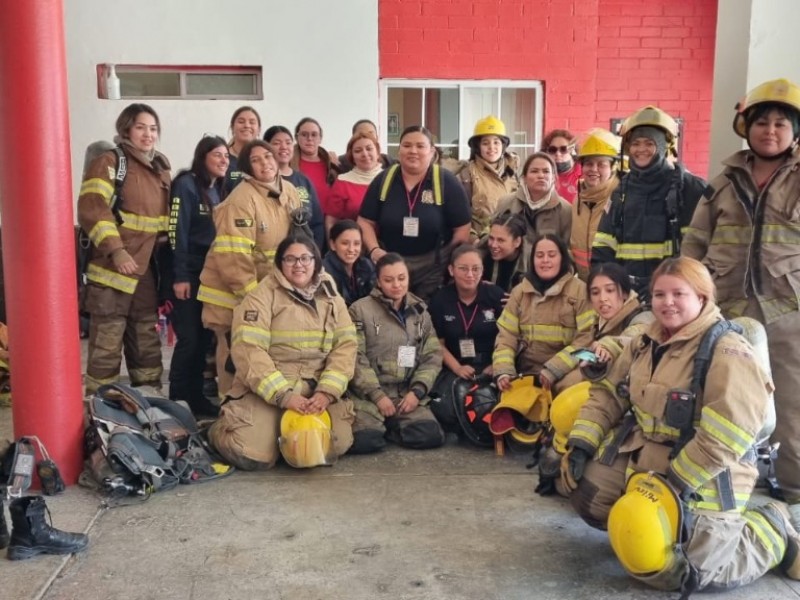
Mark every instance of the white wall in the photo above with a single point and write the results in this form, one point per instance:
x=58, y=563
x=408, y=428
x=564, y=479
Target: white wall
x=319, y=59
x=756, y=42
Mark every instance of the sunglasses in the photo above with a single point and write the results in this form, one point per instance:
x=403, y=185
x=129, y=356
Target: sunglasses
x=559, y=149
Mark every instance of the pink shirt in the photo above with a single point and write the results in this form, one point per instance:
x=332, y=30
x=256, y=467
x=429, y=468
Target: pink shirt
x=345, y=199
x=567, y=183
x=317, y=172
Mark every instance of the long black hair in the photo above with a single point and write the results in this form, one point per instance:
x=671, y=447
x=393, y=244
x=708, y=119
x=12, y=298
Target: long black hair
x=566, y=261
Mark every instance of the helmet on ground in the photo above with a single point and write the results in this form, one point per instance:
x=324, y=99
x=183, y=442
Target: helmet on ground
x=305, y=440
x=490, y=125
x=473, y=403
x=654, y=117
x=778, y=91
x=564, y=411
x=600, y=142
x=644, y=525
x=523, y=411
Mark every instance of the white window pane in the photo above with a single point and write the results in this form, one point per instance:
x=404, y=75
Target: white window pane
x=227, y=84
x=518, y=112
x=134, y=84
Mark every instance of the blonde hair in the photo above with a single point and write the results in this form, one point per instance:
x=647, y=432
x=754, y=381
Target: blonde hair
x=692, y=272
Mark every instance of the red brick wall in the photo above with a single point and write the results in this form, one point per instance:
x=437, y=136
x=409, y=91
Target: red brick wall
x=598, y=59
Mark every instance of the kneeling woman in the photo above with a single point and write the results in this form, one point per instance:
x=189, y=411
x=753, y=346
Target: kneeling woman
x=399, y=358
x=294, y=347
x=708, y=455
x=546, y=318
x=465, y=317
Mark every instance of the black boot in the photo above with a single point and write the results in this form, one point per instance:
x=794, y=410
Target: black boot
x=31, y=534
x=203, y=407
x=3, y=526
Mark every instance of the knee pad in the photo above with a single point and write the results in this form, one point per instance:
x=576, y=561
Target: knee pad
x=367, y=441
x=420, y=435
x=584, y=502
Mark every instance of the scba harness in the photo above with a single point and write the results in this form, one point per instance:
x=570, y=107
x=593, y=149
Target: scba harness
x=138, y=445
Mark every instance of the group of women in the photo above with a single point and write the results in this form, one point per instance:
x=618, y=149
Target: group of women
x=375, y=340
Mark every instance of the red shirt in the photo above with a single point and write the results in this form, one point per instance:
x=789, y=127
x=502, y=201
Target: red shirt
x=567, y=183
x=317, y=172
x=345, y=199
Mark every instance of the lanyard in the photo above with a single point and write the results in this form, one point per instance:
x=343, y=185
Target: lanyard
x=467, y=325
x=412, y=204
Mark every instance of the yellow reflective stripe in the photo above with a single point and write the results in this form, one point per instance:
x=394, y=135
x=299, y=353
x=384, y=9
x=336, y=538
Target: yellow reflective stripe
x=437, y=185
x=723, y=430
x=605, y=383
x=387, y=181
x=111, y=279
x=298, y=339
x=539, y=332
x=765, y=532
x=585, y=319
x=689, y=471
x=644, y=251
x=335, y=380
x=269, y=255
x=271, y=385
x=246, y=289
x=98, y=186
x=508, y=321
x=504, y=356
x=143, y=223
x=343, y=334
x=232, y=244
x=780, y=234
x=777, y=307
x=650, y=424
x=587, y=431
x=604, y=240
x=102, y=230
x=730, y=234
x=698, y=234
x=216, y=297
x=3, y=365
x=255, y=336
x=710, y=499
x=566, y=357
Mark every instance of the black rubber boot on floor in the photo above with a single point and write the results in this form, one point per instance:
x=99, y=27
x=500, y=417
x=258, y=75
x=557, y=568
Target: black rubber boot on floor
x=3, y=526
x=31, y=534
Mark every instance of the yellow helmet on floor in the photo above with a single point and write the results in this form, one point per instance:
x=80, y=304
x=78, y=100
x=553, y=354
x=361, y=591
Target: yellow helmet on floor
x=600, y=142
x=489, y=125
x=780, y=91
x=644, y=525
x=305, y=440
x=564, y=411
x=523, y=411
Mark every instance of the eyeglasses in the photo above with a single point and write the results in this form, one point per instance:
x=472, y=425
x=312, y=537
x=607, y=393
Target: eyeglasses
x=305, y=260
x=559, y=149
x=465, y=270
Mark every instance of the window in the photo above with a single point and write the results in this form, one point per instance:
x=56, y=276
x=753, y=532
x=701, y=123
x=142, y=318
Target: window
x=195, y=83
x=450, y=110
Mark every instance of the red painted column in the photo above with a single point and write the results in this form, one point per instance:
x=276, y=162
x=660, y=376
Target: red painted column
x=37, y=224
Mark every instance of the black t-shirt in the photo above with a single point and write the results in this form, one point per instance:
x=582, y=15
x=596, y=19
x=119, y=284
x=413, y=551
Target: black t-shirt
x=436, y=222
x=449, y=321
x=503, y=273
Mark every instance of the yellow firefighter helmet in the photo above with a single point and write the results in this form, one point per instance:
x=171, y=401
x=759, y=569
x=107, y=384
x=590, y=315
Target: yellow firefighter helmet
x=523, y=411
x=645, y=524
x=600, y=142
x=780, y=91
x=654, y=117
x=489, y=125
x=564, y=411
x=305, y=440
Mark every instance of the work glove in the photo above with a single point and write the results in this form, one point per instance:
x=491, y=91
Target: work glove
x=573, y=464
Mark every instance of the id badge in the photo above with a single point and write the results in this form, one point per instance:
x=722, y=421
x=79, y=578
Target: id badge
x=406, y=357
x=466, y=347
x=410, y=226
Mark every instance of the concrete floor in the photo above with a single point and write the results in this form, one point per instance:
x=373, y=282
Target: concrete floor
x=454, y=523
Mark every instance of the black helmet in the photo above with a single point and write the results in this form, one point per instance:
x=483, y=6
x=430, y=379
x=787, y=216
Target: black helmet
x=473, y=403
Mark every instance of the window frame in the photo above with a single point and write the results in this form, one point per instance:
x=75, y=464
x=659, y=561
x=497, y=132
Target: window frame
x=183, y=71
x=464, y=129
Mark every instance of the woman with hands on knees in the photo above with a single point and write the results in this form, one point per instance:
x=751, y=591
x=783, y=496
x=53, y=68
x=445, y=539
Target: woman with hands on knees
x=546, y=318
x=464, y=315
x=399, y=357
x=294, y=348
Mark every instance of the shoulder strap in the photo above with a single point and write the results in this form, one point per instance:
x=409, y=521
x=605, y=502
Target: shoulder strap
x=437, y=185
x=119, y=179
x=387, y=181
x=392, y=171
x=702, y=359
